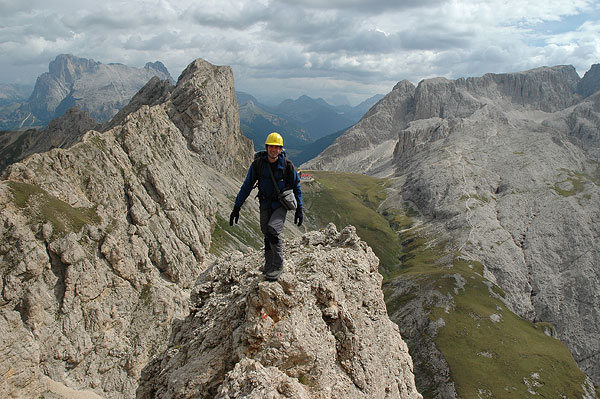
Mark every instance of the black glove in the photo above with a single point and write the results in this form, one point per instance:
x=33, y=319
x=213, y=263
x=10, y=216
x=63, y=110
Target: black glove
x=298, y=217
x=235, y=215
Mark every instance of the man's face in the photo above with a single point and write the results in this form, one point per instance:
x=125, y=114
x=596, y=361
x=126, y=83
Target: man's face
x=273, y=152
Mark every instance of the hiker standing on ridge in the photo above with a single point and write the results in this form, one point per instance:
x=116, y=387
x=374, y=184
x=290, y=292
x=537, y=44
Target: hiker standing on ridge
x=275, y=175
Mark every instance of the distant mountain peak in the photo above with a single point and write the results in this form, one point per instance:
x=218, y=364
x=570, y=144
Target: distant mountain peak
x=101, y=89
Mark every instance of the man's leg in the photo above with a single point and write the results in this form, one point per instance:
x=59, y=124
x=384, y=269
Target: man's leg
x=265, y=215
x=274, y=236
x=268, y=257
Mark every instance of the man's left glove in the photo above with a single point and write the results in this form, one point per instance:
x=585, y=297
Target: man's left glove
x=299, y=217
x=235, y=215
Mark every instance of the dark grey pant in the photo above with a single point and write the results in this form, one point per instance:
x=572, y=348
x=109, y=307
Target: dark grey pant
x=271, y=225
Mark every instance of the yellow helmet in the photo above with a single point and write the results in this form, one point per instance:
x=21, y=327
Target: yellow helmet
x=274, y=139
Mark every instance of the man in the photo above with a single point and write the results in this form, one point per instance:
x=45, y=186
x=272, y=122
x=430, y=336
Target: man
x=272, y=212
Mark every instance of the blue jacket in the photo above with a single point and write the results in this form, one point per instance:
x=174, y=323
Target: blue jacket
x=266, y=190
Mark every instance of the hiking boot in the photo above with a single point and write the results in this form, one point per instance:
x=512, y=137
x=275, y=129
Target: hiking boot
x=273, y=275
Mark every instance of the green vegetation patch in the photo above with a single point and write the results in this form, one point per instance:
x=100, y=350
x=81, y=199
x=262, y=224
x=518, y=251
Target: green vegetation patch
x=352, y=199
x=494, y=353
x=574, y=182
x=491, y=351
x=41, y=207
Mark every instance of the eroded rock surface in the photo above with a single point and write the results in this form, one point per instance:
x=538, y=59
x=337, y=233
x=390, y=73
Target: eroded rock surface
x=321, y=331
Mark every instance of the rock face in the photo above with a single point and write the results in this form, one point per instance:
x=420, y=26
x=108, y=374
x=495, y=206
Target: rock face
x=102, y=242
x=590, y=83
x=321, y=331
x=100, y=89
x=504, y=166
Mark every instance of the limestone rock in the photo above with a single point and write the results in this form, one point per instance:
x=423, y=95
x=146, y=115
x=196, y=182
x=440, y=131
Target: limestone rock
x=321, y=331
x=102, y=242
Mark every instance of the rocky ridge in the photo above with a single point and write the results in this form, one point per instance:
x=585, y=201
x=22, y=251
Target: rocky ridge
x=102, y=242
x=62, y=132
x=505, y=168
x=321, y=331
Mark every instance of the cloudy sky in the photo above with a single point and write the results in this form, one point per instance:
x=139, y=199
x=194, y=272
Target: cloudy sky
x=340, y=50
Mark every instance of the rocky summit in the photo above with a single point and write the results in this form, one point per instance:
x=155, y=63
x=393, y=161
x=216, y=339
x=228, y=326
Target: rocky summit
x=504, y=170
x=321, y=331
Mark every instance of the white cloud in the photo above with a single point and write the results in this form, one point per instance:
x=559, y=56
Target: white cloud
x=353, y=48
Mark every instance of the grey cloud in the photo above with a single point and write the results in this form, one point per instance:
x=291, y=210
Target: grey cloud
x=435, y=39
x=366, y=42
x=304, y=26
x=48, y=26
x=369, y=7
x=125, y=17
x=249, y=14
x=162, y=40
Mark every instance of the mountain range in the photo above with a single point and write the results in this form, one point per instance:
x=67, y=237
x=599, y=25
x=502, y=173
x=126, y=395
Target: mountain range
x=100, y=89
x=122, y=278
x=501, y=171
x=308, y=125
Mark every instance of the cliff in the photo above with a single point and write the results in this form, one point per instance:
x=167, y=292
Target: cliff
x=503, y=170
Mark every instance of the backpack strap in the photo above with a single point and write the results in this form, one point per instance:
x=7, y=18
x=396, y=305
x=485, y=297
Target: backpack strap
x=275, y=181
x=259, y=162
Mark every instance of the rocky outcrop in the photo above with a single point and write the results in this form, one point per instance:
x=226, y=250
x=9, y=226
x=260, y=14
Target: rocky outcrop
x=192, y=105
x=102, y=242
x=100, y=89
x=590, y=83
x=321, y=331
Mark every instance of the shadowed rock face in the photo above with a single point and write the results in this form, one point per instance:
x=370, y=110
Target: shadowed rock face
x=321, y=331
x=101, y=242
x=62, y=132
x=506, y=167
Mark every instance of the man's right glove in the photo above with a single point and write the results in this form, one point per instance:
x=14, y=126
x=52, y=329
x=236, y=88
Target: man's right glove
x=235, y=215
x=299, y=217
